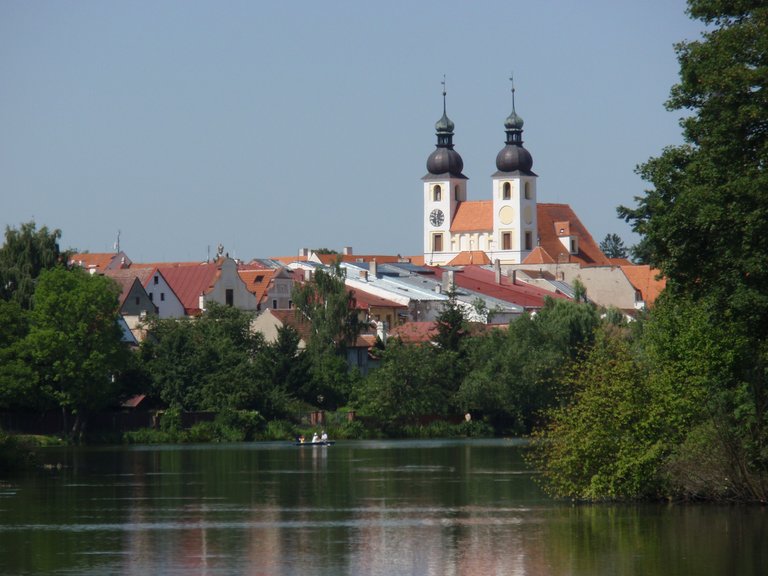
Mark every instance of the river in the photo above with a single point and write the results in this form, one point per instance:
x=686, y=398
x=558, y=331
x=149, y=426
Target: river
x=465, y=508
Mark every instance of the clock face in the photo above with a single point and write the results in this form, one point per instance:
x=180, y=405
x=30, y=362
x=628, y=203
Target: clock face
x=436, y=217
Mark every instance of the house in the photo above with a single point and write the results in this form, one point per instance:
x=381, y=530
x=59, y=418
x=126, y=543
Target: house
x=99, y=262
x=271, y=282
x=198, y=284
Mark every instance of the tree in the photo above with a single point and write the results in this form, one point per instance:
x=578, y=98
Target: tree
x=328, y=306
x=24, y=254
x=18, y=382
x=207, y=363
x=613, y=246
x=75, y=343
x=704, y=223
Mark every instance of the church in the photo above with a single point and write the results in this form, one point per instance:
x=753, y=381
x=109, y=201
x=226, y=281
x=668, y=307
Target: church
x=511, y=228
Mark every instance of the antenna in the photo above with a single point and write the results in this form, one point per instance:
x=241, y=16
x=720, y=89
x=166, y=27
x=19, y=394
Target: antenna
x=117, y=244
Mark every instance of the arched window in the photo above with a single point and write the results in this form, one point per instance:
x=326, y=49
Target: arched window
x=437, y=193
x=527, y=190
x=506, y=191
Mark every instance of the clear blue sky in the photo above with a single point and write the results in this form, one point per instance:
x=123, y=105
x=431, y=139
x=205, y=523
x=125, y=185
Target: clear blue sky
x=269, y=126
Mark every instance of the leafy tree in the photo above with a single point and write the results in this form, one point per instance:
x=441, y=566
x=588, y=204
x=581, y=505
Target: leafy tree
x=24, y=254
x=409, y=384
x=451, y=323
x=613, y=246
x=17, y=379
x=328, y=306
x=75, y=343
x=206, y=363
x=704, y=221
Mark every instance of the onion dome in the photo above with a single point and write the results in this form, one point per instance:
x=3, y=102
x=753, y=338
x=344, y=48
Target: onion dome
x=445, y=159
x=513, y=157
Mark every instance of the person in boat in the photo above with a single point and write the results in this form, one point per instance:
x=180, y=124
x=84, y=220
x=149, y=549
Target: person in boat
x=301, y=439
x=324, y=436
x=315, y=438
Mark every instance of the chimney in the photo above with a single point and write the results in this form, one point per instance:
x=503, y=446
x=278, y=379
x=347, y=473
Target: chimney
x=303, y=252
x=201, y=302
x=497, y=271
x=447, y=280
x=307, y=275
x=347, y=251
x=372, y=268
x=364, y=275
x=513, y=276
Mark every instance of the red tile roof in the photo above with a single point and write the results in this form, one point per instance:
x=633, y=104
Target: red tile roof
x=125, y=278
x=538, y=256
x=467, y=258
x=414, y=332
x=189, y=282
x=365, y=300
x=645, y=279
x=294, y=319
x=99, y=261
x=483, y=280
x=472, y=216
x=257, y=280
x=552, y=218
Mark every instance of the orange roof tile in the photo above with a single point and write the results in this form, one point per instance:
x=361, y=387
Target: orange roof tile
x=554, y=217
x=538, y=256
x=257, y=280
x=189, y=282
x=415, y=332
x=467, y=258
x=472, y=216
x=646, y=280
x=294, y=319
x=99, y=261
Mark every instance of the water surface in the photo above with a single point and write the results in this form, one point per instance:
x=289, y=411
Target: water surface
x=358, y=508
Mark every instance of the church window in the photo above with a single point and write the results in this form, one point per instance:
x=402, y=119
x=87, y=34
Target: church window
x=437, y=193
x=456, y=193
x=506, y=193
x=527, y=190
x=506, y=241
x=437, y=243
x=528, y=241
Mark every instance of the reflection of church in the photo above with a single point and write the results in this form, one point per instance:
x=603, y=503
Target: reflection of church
x=503, y=228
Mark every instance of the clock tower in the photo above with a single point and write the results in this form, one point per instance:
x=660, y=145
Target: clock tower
x=514, y=196
x=444, y=187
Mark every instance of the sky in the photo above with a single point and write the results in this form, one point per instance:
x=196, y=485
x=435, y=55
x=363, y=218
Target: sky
x=269, y=126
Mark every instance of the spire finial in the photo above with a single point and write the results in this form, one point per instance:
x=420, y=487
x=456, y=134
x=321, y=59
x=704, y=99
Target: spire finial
x=512, y=80
x=443, y=83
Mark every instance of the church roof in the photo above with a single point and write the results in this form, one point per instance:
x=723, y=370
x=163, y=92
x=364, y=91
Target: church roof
x=551, y=219
x=539, y=256
x=474, y=215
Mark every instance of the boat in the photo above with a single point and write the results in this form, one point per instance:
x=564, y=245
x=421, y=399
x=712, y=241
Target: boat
x=318, y=443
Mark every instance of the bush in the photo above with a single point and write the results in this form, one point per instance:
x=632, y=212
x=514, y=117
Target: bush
x=247, y=422
x=278, y=430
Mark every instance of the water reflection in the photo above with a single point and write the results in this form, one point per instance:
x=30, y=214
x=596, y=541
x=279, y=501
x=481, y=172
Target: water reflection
x=422, y=508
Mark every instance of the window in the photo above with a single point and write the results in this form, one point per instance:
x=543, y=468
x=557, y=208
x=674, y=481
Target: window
x=574, y=247
x=151, y=299
x=138, y=300
x=156, y=280
x=528, y=241
x=527, y=190
x=437, y=193
x=456, y=193
x=290, y=304
x=274, y=304
x=506, y=191
x=506, y=241
x=229, y=296
x=259, y=278
x=437, y=243
x=162, y=296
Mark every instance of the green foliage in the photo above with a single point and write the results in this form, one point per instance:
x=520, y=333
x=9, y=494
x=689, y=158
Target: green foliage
x=208, y=363
x=24, y=254
x=451, y=323
x=613, y=246
x=412, y=381
x=516, y=373
x=18, y=381
x=74, y=343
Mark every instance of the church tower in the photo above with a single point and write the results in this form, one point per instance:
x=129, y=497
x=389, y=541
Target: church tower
x=514, y=196
x=444, y=187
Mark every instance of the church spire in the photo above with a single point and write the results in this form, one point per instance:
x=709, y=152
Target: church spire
x=445, y=159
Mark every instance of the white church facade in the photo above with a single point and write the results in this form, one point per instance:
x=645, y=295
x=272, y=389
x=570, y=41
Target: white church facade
x=504, y=228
